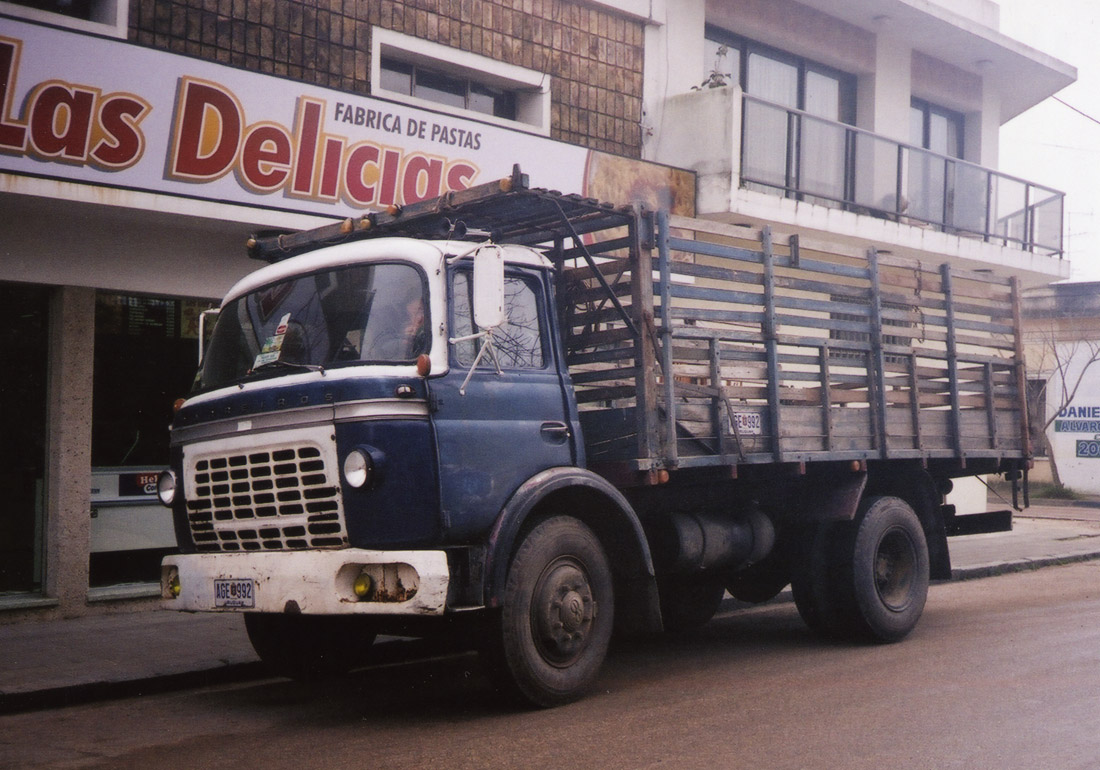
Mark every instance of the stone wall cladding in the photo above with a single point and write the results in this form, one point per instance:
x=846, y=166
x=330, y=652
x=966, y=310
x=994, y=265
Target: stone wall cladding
x=593, y=56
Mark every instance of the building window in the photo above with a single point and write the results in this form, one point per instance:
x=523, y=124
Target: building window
x=103, y=17
x=1037, y=415
x=937, y=129
x=24, y=342
x=794, y=137
x=145, y=356
x=441, y=78
x=782, y=78
x=517, y=343
x=462, y=92
x=939, y=189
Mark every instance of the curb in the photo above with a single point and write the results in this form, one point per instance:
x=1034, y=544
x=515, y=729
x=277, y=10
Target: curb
x=1024, y=565
x=90, y=692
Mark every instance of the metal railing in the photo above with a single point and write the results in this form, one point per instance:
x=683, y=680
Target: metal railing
x=822, y=161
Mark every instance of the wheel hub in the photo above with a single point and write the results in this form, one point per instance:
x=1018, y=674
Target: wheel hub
x=563, y=611
x=895, y=566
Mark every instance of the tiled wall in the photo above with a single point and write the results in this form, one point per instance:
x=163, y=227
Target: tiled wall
x=594, y=57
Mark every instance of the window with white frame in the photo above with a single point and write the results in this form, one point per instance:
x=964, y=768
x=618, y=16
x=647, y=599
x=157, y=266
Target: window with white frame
x=103, y=17
x=437, y=77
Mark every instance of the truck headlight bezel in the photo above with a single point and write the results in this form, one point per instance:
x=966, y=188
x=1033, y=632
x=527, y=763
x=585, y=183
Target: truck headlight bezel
x=166, y=487
x=358, y=469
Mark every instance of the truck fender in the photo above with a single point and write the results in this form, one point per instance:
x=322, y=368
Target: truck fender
x=603, y=508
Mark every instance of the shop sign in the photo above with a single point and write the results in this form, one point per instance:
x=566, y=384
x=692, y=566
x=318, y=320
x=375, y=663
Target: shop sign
x=113, y=114
x=1078, y=419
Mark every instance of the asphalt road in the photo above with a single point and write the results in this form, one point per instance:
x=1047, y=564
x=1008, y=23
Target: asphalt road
x=1001, y=673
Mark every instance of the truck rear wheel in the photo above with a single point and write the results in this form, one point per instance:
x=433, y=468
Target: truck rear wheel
x=307, y=647
x=888, y=582
x=551, y=637
x=866, y=579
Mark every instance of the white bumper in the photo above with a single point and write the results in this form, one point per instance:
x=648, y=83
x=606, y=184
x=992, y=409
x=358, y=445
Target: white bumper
x=317, y=582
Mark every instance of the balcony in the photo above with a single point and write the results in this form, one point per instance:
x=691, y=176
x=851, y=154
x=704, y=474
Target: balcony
x=807, y=158
x=747, y=151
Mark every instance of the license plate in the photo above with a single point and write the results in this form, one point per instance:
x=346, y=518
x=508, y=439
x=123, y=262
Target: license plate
x=747, y=423
x=234, y=593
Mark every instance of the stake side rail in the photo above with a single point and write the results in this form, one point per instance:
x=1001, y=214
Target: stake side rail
x=773, y=353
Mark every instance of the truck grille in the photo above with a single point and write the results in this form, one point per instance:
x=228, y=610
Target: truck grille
x=269, y=499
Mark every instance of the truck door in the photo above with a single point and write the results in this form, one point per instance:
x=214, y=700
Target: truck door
x=506, y=426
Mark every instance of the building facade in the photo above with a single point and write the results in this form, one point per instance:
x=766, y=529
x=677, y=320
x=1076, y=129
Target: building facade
x=1062, y=326
x=142, y=141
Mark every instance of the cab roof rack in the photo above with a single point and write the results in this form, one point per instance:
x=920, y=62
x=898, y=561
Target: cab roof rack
x=506, y=210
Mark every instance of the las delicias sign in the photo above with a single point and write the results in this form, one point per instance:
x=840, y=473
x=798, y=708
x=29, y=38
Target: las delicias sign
x=103, y=112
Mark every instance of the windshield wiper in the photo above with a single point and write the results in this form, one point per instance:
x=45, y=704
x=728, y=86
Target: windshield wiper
x=288, y=364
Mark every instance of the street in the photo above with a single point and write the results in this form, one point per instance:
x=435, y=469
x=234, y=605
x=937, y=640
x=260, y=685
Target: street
x=1000, y=673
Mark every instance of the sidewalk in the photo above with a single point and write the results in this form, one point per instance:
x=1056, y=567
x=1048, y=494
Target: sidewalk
x=60, y=663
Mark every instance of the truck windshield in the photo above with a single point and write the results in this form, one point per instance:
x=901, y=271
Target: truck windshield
x=373, y=314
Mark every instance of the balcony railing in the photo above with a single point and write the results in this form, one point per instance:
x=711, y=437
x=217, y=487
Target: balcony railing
x=822, y=161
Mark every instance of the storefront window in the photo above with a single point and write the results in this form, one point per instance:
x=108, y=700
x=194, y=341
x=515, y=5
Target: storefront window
x=145, y=358
x=24, y=340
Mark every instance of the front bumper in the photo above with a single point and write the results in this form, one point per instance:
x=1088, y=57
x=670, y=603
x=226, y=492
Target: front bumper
x=311, y=582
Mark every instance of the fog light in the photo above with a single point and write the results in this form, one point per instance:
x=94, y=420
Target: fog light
x=363, y=585
x=358, y=468
x=174, y=586
x=166, y=487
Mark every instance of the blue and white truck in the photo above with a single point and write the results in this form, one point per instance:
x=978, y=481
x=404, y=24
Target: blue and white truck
x=547, y=419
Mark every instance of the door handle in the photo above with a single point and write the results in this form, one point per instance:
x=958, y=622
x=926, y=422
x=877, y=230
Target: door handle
x=554, y=432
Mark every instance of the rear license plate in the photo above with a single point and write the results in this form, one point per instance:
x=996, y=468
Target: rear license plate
x=234, y=593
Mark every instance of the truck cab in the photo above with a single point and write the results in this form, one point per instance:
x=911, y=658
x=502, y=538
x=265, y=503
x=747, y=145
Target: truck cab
x=343, y=404
x=370, y=426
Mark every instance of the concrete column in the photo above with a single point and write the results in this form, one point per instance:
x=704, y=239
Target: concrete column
x=883, y=97
x=69, y=446
x=983, y=130
x=883, y=100
x=673, y=64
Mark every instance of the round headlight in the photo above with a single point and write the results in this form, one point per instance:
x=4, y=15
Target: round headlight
x=166, y=487
x=358, y=468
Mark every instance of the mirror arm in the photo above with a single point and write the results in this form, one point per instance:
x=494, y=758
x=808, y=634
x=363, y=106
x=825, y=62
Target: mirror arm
x=487, y=347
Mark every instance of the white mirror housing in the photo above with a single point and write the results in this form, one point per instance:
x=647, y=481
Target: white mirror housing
x=489, y=288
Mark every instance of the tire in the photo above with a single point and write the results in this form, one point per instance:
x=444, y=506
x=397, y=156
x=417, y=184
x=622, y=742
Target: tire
x=887, y=585
x=864, y=580
x=813, y=585
x=551, y=637
x=309, y=647
x=688, y=602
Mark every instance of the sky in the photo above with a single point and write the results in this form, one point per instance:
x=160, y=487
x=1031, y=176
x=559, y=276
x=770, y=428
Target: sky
x=1051, y=144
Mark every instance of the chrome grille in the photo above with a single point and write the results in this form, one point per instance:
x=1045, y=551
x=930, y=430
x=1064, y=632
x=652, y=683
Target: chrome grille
x=268, y=499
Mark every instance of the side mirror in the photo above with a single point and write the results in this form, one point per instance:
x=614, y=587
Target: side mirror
x=206, y=322
x=489, y=288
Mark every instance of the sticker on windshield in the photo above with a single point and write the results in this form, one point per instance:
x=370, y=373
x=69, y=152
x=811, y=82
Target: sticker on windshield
x=274, y=344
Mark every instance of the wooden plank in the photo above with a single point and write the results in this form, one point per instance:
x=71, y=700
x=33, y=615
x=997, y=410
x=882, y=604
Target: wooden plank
x=877, y=364
x=665, y=332
x=645, y=353
x=770, y=331
x=1021, y=372
x=952, y=362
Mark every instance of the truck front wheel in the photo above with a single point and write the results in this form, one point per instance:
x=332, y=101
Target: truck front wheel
x=552, y=634
x=307, y=647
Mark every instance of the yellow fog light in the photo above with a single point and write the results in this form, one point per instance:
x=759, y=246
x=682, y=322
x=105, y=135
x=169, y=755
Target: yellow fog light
x=363, y=585
x=174, y=587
